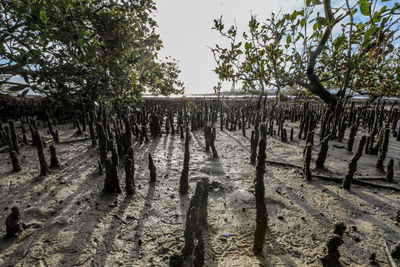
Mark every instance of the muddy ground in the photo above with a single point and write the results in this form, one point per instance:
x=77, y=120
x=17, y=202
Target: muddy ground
x=69, y=222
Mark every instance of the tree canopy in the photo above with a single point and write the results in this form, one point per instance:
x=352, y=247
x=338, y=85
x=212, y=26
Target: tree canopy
x=350, y=48
x=99, y=49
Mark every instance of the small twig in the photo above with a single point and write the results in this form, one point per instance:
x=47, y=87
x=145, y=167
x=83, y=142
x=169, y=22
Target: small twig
x=123, y=221
x=390, y=258
x=148, y=241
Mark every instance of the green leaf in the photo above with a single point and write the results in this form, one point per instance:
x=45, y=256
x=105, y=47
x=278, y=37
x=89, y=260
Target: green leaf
x=376, y=18
x=293, y=15
x=364, y=8
x=322, y=21
x=370, y=32
x=288, y=39
x=303, y=22
x=384, y=21
x=339, y=41
x=79, y=43
x=308, y=2
x=43, y=16
x=247, y=45
x=366, y=43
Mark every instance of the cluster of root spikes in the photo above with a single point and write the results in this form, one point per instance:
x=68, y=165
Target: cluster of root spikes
x=113, y=131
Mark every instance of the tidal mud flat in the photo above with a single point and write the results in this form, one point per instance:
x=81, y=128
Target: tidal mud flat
x=68, y=220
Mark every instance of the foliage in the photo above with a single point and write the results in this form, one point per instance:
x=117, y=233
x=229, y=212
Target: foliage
x=93, y=48
x=350, y=49
x=161, y=77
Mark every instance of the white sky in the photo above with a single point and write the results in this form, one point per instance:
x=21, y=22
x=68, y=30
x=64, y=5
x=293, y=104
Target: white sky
x=185, y=28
